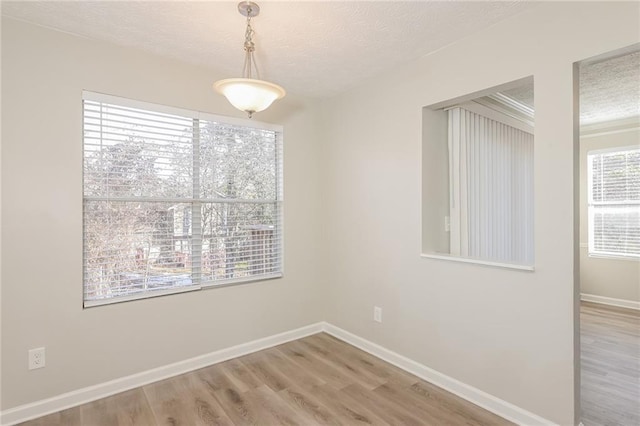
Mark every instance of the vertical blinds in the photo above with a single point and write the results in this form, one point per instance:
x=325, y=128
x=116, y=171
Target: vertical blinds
x=175, y=200
x=491, y=179
x=614, y=202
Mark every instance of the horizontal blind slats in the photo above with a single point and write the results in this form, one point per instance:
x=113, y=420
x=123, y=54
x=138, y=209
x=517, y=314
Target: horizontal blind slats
x=141, y=200
x=614, y=202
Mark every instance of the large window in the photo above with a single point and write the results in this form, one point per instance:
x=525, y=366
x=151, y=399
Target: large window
x=614, y=202
x=176, y=200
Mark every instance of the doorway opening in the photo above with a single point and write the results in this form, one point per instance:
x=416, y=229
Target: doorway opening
x=607, y=171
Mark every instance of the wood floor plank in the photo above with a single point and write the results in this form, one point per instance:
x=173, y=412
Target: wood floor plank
x=610, y=365
x=216, y=378
x=70, y=417
x=185, y=400
x=427, y=413
x=348, y=412
x=238, y=407
x=291, y=370
x=168, y=403
x=457, y=410
x=386, y=410
x=239, y=374
x=132, y=408
x=368, y=362
x=301, y=356
x=201, y=400
x=126, y=409
x=346, y=367
x=258, y=364
x=278, y=412
x=309, y=407
x=98, y=413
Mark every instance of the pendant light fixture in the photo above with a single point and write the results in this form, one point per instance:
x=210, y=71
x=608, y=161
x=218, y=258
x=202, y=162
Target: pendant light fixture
x=249, y=94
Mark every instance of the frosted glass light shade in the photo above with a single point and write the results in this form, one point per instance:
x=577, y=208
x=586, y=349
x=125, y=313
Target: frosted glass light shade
x=249, y=95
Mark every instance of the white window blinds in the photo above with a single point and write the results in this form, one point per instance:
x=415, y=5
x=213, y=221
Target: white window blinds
x=491, y=189
x=176, y=200
x=614, y=202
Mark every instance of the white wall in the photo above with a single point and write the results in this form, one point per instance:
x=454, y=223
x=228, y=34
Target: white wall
x=43, y=75
x=509, y=333
x=615, y=278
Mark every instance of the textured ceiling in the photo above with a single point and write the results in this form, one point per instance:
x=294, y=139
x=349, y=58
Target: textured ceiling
x=317, y=49
x=610, y=90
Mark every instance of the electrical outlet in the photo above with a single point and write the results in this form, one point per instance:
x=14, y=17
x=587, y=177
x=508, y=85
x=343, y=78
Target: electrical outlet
x=36, y=358
x=377, y=314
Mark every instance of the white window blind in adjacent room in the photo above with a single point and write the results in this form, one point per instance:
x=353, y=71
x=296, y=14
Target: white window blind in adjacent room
x=614, y=202
x=491, y=189
x=176, y=200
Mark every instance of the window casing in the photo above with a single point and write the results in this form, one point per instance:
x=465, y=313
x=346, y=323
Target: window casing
x=614, y=202
x=176, y=200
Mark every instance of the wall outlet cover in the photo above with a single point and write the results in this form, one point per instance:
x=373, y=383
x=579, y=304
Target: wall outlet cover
x=377, y=314
x=36, y=358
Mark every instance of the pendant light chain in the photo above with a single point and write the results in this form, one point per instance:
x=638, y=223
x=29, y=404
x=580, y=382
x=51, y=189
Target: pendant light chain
x=249, y=47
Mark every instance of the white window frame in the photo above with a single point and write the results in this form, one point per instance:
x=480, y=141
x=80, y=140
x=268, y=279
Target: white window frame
x=591, y=205
x=278, y=201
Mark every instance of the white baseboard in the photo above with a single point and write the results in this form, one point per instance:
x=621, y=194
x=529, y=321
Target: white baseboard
x=81, y=396
x=488, y=402
x=621, y=303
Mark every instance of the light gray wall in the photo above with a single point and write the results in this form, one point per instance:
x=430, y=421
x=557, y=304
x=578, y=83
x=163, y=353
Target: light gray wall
x=508, y=333
x=435, y=181
x=616, y=278
x=43, y=75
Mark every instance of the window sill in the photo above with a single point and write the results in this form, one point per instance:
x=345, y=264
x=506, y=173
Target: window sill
x=176, y=290
x=528, y=268
x=237, y=281
x=139, y=296
x=613, y=257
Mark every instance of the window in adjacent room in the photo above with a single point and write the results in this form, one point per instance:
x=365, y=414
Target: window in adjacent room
x=614, y=202
x=176, y=200
x=478, y=175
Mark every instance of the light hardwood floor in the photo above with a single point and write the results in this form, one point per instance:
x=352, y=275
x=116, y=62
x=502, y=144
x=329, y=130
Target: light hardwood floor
x=318, y=380
x=610, y=355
